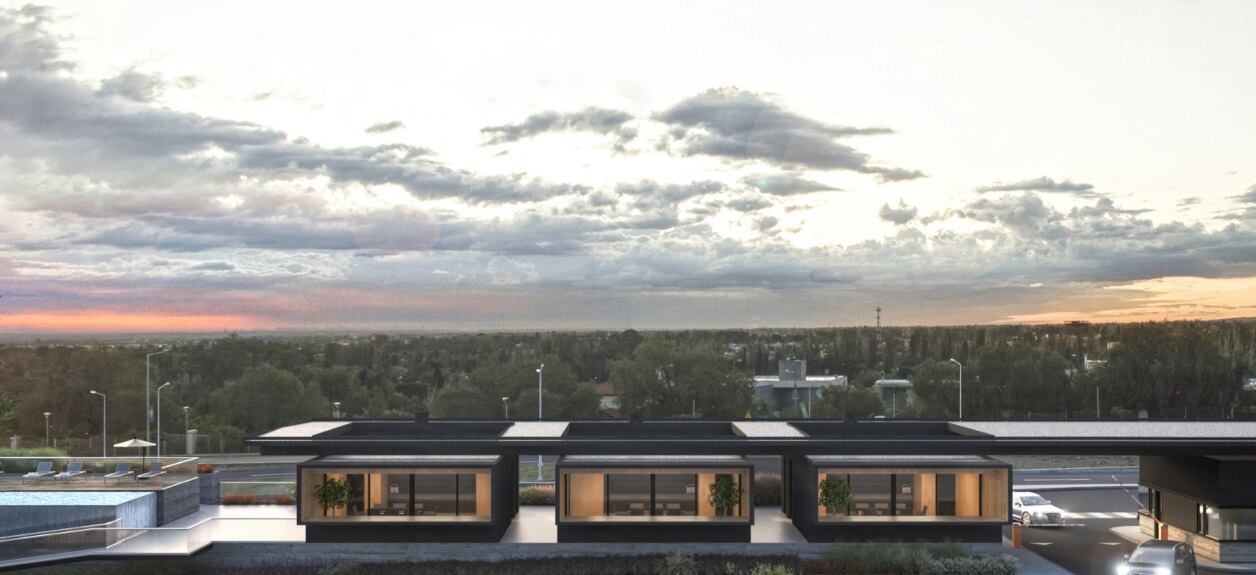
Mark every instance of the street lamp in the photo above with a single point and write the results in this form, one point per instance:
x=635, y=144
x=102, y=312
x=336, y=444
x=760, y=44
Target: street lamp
x=506, y=405
x=104, y=423
x=148, y=408
x=47, y=427
x=159, y=388
x=540, y=379
x=335, y=405
x=961, y=388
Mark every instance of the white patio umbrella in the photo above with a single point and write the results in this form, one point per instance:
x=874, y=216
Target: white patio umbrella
x=133, y=442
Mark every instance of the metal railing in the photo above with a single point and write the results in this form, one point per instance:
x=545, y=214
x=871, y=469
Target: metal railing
x=105, y=540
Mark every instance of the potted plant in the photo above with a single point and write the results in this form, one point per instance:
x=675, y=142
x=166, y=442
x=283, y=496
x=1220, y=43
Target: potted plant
x=834, y=494
x=725, y=493
x=332, y=494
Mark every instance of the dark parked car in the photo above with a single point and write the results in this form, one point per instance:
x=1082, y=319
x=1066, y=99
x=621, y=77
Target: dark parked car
x=1159, y=558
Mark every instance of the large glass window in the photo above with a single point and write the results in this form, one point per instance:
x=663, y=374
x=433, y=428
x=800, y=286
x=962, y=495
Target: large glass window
x=1229, y=524
x=400, y=495
x=680, y=495
x=435, y=494
x=357, y=494
x=628, y=494
x=905, y=495
x=919, y=493
x=870, y=495
x=945, y=494
x=466, y=494
x=676, y=494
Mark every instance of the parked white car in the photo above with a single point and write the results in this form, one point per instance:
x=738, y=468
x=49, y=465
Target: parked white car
x=1032, y=509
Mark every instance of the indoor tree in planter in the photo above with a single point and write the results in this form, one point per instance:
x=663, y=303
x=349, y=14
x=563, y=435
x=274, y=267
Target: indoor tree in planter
x=834, y=494
x=332, y=494
x=725, y=493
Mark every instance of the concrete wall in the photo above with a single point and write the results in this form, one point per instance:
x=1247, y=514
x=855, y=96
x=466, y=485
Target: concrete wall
x=24, y=519
x=179, y=500
x=210, y=495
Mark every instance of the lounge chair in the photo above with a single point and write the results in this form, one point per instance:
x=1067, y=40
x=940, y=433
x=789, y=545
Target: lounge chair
x=123, y=470
x=74, y=469
x=154, y=471
x=42, y=471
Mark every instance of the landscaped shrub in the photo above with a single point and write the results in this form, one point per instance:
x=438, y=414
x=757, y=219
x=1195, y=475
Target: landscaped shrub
x=247, y=499
x=767, y=489
x=900, y=559
x=540, y=495
x=978, y=565
x=601, y=565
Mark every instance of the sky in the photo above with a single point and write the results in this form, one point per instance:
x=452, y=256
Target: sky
x=247, y=166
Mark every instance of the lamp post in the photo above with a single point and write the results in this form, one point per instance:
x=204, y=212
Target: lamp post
x=148, y=408
x=159, y=388
x=47, y=428
x=506, y=405
x=335, y=406
x=961, y=388
x=104, y=423
x=540, y=380
x=186, y=409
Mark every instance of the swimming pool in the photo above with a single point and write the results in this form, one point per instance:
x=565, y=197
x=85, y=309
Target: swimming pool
x=59, y=498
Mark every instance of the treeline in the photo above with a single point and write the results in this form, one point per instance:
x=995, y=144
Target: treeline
x=237, y=385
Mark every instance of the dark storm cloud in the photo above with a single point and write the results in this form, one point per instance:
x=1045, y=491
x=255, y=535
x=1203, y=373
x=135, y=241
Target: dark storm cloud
x=1044, y=184
x=901, y=215
x=786, y=184
x=591, y=119
x=739, y=125
x=385, y=127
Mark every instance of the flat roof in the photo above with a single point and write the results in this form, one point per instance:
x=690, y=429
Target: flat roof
x=536, y=429
x=1109, y=429
x=753, y=429
x=653, y=461
x=760, y=437
x=902, y=461
x=307, y=429
x=405, y=460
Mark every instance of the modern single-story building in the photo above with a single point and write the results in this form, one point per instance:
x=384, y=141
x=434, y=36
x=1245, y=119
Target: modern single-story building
x=419, y=480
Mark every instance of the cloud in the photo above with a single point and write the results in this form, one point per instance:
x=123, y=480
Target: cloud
x=1191, y=201
x=113, y=202
x=134, y=85
x=739, y=125
x=899, y=216
x=786, y=184
x=1249, y=197
x=385, y=127
x=1044, y=184
x=592, y=119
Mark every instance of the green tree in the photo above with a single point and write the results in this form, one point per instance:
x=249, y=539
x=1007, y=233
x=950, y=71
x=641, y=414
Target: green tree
x=8, y=406
x=462, y=400
x=266, y=397
x=669, y=379
x=850, y=403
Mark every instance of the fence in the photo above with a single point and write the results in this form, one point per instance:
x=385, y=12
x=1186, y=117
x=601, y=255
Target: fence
x=171, y=444
x=106, y=540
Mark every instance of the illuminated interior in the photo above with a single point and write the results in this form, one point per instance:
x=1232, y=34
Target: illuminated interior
x=919, y=495
x=401, y=495
x=651, y=495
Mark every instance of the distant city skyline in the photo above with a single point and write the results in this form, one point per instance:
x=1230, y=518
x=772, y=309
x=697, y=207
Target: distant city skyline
x=394, y=166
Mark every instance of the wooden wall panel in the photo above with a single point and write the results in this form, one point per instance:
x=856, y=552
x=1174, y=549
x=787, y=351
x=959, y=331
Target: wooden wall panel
x=967, y=494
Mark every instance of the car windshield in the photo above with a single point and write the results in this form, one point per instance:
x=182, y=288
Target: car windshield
x=1158, y=555
x=1034, y=500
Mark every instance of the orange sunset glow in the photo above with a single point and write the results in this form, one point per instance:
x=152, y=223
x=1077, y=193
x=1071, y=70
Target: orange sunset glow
x=133, y=322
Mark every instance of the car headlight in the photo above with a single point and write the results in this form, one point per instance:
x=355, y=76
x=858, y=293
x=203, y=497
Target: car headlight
x=1164, y=571
x=1122, y=569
